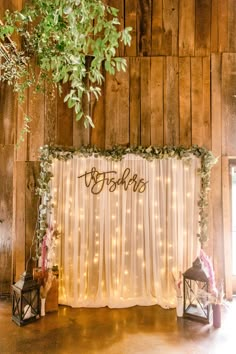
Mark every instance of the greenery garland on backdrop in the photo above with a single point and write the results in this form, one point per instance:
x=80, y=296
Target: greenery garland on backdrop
x=48, y=153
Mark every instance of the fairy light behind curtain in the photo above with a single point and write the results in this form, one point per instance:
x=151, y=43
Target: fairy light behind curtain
x=119, y=248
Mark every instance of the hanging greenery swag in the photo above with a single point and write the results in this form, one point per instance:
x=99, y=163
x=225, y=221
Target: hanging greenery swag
x=48, y=153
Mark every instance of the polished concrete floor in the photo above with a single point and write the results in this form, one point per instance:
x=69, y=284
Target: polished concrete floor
x=137, y=330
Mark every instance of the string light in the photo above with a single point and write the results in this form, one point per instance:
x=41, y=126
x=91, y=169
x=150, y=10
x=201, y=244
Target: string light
x=139, y=252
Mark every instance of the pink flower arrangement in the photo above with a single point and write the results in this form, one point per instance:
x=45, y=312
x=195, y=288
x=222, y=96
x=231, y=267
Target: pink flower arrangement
x=209, y=267
x=48, y=248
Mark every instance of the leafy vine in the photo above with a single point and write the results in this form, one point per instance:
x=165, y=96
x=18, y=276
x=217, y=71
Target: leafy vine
x=67, y=41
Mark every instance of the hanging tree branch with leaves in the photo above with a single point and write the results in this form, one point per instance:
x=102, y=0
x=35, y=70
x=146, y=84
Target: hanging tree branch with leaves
x=61, y=35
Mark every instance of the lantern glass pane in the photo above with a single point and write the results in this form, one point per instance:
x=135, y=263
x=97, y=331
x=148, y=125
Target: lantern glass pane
x=30, y=304
x=196, y=298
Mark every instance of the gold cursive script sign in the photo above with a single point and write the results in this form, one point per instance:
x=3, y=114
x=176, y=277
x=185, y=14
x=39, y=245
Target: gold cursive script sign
x=97, y=180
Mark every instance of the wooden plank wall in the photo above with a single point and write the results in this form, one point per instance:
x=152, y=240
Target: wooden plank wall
x=179, y=88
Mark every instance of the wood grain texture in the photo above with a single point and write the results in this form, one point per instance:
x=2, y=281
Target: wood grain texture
x=229, y=104
x=65, y=118
x=131, y=21
x=6, y=216
x=170, y=27
x=214, y=26
x=50, y=120
x=231, y=26
x=185, y=101
x=117, y=108
x=36, y=111
x=157, y=100
x=7, y=114
x=223, y=26
x=171, y=103
x=145, y=101
x=22, y=152
x=157, y=27
x=32, y=170
x=97, y=135
x=227, y=238
x=134, y=101
x=200, y=99
x=216, y=103
x=144, y=15
x=203, y=27
x=215, y=197
x=186, y=27
x=19, y=255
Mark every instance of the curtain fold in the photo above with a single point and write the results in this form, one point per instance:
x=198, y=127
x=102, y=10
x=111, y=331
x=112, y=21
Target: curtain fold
x=123, y=237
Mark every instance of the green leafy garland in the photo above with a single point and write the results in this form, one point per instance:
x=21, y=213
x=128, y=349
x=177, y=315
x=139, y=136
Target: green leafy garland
x=68, y=41
x=48, y=153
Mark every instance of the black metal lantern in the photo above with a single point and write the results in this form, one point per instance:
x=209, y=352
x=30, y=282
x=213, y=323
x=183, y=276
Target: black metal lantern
x=26, y=300
x=196, y=285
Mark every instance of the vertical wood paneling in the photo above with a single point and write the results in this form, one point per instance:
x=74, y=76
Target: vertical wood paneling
x=131, y=21
x=229, y=104
x=117, y=108
x=65, y=118
x=50, y=121
x=19, y=219
x=227, y=236
x=157, y=101
x=215, y=202
x=171, y=101
x=170, y=27
x=185, y=101
x=223, y=25
x=37, y=113
x=186, y=27
x=232, y=25
x=81, y=134
x=214, y=26
x=200, y=100
x=22, y=112
x=134, y=101
x=145, y=101
x=157, y=27
x=6, y=200
x=144, y=16
x=7, y=114
x=207, y=102
x=31, y=209
x=97, y=112
x=203, y=27
x=216, y=102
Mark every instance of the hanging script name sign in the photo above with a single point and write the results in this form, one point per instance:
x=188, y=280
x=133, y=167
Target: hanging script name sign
x=98, y=180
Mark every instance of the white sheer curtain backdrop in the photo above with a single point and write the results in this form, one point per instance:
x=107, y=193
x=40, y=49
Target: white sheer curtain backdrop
x=119, y=248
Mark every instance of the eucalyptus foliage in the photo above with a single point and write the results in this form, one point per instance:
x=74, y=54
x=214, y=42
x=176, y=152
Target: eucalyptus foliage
x=48, y=153
x=70, y=41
